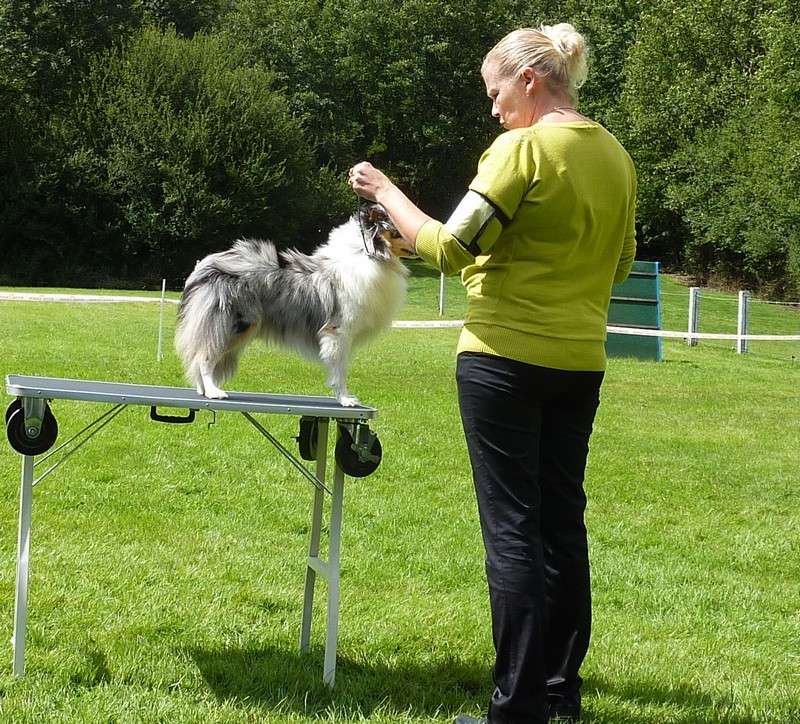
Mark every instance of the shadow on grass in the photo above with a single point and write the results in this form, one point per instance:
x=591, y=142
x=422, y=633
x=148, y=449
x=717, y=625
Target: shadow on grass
x=288, y=681
x=419, y=268
x=94, y=671
x=280, y=680
x=685, y=704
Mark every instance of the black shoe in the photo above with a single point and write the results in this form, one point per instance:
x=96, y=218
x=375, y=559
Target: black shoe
x=463, y=719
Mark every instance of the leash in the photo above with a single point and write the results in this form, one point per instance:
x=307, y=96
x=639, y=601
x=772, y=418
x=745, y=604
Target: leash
x=369, y=246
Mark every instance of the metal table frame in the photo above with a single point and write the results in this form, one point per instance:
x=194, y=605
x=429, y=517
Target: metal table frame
x=35, y=392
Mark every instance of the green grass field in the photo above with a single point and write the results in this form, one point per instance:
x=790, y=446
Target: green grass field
x=168, y=561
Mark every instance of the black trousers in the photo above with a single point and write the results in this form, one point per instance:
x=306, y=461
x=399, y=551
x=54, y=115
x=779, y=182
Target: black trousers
x=527, y=430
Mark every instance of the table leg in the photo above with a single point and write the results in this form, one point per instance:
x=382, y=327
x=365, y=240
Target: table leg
x=23, y=557
x=329, y=667
x=316, y=528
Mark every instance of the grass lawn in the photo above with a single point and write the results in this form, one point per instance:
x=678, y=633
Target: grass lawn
x=168, y=561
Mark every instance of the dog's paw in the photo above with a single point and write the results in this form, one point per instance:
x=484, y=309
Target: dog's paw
x=216, y=394
x=348, y=401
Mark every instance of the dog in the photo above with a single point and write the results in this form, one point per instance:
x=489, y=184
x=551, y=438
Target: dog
x=320, y=305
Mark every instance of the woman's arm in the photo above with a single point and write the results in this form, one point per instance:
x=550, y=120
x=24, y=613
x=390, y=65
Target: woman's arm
x=436, y=245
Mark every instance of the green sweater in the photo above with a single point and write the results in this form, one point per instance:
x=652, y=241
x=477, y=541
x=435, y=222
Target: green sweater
x=556, y=230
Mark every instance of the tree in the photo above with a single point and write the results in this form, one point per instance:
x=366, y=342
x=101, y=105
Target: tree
x=397, y=83
x=179, y=146
x=736, y=186
x=688, y=70
x=46, y=44
x=45, y=47
x=187, y=17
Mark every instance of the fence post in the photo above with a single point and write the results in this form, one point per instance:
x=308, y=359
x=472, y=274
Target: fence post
x=741, y=325
x=694, y=315
x=159, y=355
x=441, y=295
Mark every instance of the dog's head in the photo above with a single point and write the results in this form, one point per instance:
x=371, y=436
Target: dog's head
x=379, y=231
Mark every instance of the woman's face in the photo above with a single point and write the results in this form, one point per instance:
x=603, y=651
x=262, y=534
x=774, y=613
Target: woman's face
x=511, y=97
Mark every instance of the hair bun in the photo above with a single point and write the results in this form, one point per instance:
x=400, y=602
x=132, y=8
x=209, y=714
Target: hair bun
x=567, y=41
x=571, y=47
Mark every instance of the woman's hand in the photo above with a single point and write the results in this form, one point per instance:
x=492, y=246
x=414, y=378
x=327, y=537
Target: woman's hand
x=374, y=185
x=368, y=182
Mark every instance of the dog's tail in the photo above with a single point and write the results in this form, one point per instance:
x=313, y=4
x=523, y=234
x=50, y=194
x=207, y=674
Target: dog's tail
x=219, y=303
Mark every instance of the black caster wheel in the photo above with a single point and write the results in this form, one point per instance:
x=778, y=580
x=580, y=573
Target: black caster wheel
x=307, y=439
x=18, y=436
x=361, y=456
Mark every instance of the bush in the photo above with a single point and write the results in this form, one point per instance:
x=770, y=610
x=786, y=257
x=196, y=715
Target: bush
x=688, y=71
x=180, y=146
x=396, y=83
x=737, y=185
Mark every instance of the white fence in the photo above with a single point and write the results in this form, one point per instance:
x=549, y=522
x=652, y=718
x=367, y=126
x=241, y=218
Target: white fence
x=692, y=335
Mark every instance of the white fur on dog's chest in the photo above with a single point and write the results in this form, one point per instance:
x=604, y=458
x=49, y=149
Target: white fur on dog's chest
x=372, y=296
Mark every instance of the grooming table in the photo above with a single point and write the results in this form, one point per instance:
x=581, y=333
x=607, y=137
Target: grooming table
x=32, y=430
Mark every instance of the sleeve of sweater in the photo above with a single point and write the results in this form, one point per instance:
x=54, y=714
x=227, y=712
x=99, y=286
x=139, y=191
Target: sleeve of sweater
x=503, y=178
x=628, y=253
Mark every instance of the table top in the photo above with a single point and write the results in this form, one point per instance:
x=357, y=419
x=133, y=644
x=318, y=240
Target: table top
x=55, y=388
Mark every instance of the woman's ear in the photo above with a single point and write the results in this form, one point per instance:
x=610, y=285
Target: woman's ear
x=529, y=79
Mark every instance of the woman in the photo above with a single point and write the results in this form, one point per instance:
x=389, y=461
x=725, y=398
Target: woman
x=545, y=229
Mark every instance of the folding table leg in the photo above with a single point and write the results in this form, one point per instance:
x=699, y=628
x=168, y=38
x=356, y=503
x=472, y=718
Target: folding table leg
x=23, y=557
x=329, y=667
x=316, y=528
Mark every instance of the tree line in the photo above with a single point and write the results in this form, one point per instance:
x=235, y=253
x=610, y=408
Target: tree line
x=135, y=137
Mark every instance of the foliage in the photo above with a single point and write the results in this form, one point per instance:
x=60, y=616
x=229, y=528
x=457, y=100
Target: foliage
x=99, y=180
x=183, y=146
x=186, y=17
x=688, y=70
x=45, y=47
x=397, y=83
x=707, y=131
x=46, y=44
x=737, y=186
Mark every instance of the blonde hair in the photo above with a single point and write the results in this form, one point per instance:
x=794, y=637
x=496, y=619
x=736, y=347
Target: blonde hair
x=556, y=52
